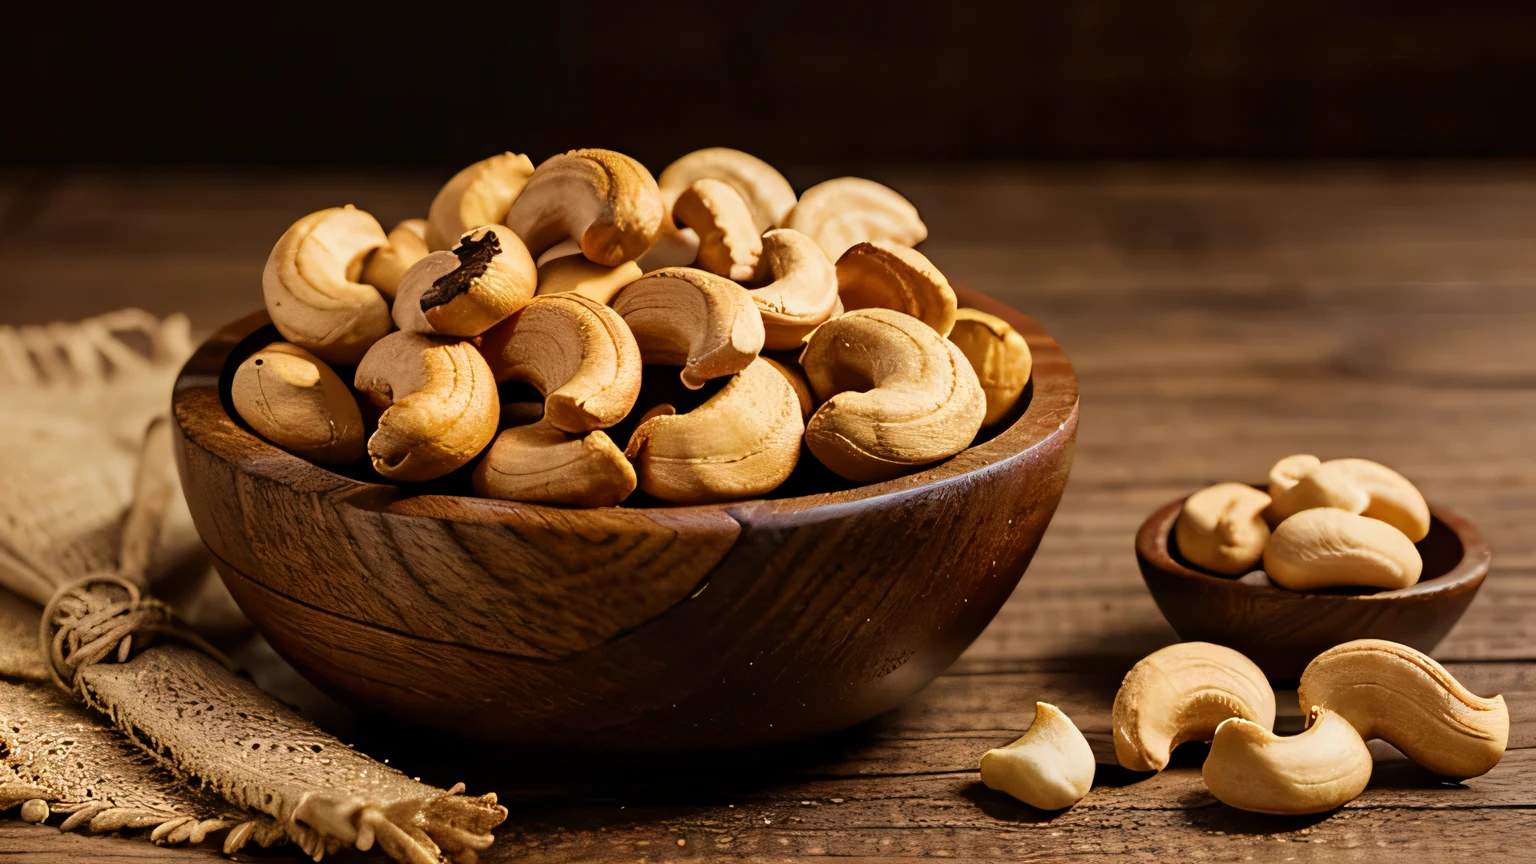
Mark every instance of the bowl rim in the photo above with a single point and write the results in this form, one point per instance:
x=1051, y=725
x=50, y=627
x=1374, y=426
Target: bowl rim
x=1053, y=404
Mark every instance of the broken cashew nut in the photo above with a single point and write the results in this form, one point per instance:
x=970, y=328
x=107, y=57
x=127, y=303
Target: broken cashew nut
x=1222, y=528
x=603, y=199
x=1050, y=768
x=1320, y=769
x=801, y=292
x=729, y=242
x=883, y=275
x=479, y=195
x=291, y=398
x=999, y=355
x=488, y=276
x=840, y=213
x=539, y=463
x=311, y=285
x=1325, y=547
x=1182, y=693
x=705, y=323
x=767, y=195
x=407, y=245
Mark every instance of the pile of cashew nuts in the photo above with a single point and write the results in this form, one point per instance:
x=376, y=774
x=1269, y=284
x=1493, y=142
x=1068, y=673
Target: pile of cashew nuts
x=1196, y=691
x=570, y=277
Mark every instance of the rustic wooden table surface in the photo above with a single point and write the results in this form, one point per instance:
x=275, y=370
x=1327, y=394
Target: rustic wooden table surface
x=1218, y=318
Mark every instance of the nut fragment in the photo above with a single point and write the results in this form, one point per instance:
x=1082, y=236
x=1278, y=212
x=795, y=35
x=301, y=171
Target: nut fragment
x=407, y=245
x=539, y=463
x=1393, y=499
x=1392, y=692
x=839, y=213
x=999, y=355
x=1051, y=767
x=1326, y=547
x=574, y=274
x=312, y=290
x=1222, y=528
x=896, y=396
x=291, y=398
x=685, y=317
x=1289, y=470
x=439, y=404
x=488, y=276
x=729, y=242
x=577, y=352
x=604, y=199
x=479, y=195
x=1324, y=486
x=1182, y=693
x=1320, y=769
x=802, y=292
x=883, y=275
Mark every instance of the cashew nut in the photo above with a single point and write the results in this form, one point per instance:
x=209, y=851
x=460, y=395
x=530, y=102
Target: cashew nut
x=1392, y=692
x=729, y=242
x=883, y=275
x=488, y=276
x=685, y=317
x=604, y=199
x=312, y=290
x=1320, y=769
x=539, y=463
x=803, y=290
x=1324, y=486
x=839, y=213
x=34, y=810
x=796, y=379
x=291, y=398
x=896, y=395
x=768, y=197
x=999, y=355
x=743, y=441
x=407, y=245
x=1182, y=693
x=574, y=274
x=1393, y=499
x=1051, y=767
x=479, y=195
x=1325, y=547
x=439, y=404
x=577, y=352
x=1289, y=470
x=1222, y=528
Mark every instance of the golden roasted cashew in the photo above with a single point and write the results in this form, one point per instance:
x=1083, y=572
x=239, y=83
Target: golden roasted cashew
x=1288, y=471
x=840, y=213
x=479, y=195
x=291, y=398
x=1320, y=769
x=488, y=276
x=883, y=275
x=768, y=197
x=1051, y=767
x=1392, y=692
x=896, y=395
x=604, y=199
x=407, y=245
x=577, y=352
x=1393, y=499
x=1327, y=485
x=541, y=464
x=1326, y=547
x=1182, y=693
x=574, y=274
x=705, y=323
x=439, y=404
x=1222, y=528
x=796, y=379
x=312, y=290
x=802, y=292
x=742, y=442
x=729, y=243
x=999, y=355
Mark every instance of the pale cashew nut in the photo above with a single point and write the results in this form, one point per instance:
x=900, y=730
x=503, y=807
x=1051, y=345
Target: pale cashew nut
x=1320, y=769
x=768, y=197
x=896, y=396
x=802, y=293
x=840, y=213
x=796, y=379
x=312, y=290
x=1050, y=768
x=291, y=398
x=1182, y=693
x=407, y=245
x=574, y=274
x=684, y=317
x=1393, y=499
x=1288, y=471
x=883, y=275
x=488, y=276
x=577, y=352
x=1222, y=528
x=1392, y=692
x=539, y=463
x=604, y=199
x=742, y=442
x=1326, y=547
x=999, y=355
x=1324, y=486
x=729, y=242
x=439, y=404
x=479, y=195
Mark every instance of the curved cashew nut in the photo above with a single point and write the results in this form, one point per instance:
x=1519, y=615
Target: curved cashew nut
x=1324, y=486
x=1182, y=693
x=604, y=199
x=768, y=197
x=999, y=355
x=839, y=213
x=1051, y=767
x=291, y=398
x=577, y=352
x=541, y=464
x=1288, y=472
x=742, y=442
x=1222, y=528
x=407, y=245
x=685, y=317
x=803, y=291
x=439, y=404
x=574, y=274
x=311, y=288
x=729, y=242
x=479, y=195
x=1326, y=547
x=1320, y=769
x=796, y=379
x=883, y=275
x=1393, y=499
x=896, y=396
x=488, y=276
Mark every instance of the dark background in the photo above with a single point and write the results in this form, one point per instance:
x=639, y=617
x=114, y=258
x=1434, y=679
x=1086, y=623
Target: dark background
x=441, y=85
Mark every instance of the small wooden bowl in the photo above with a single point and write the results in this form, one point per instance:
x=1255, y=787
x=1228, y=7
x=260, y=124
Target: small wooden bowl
x=637, y=627
x=1282, y=630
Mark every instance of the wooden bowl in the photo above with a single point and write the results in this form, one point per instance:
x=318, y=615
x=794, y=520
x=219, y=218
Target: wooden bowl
x=636, y=627
x=1282, y=630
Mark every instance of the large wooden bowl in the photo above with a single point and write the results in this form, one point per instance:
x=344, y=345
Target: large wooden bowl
x=652, y=627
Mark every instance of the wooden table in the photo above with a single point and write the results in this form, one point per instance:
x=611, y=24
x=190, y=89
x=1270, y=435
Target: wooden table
x=1218, y=319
